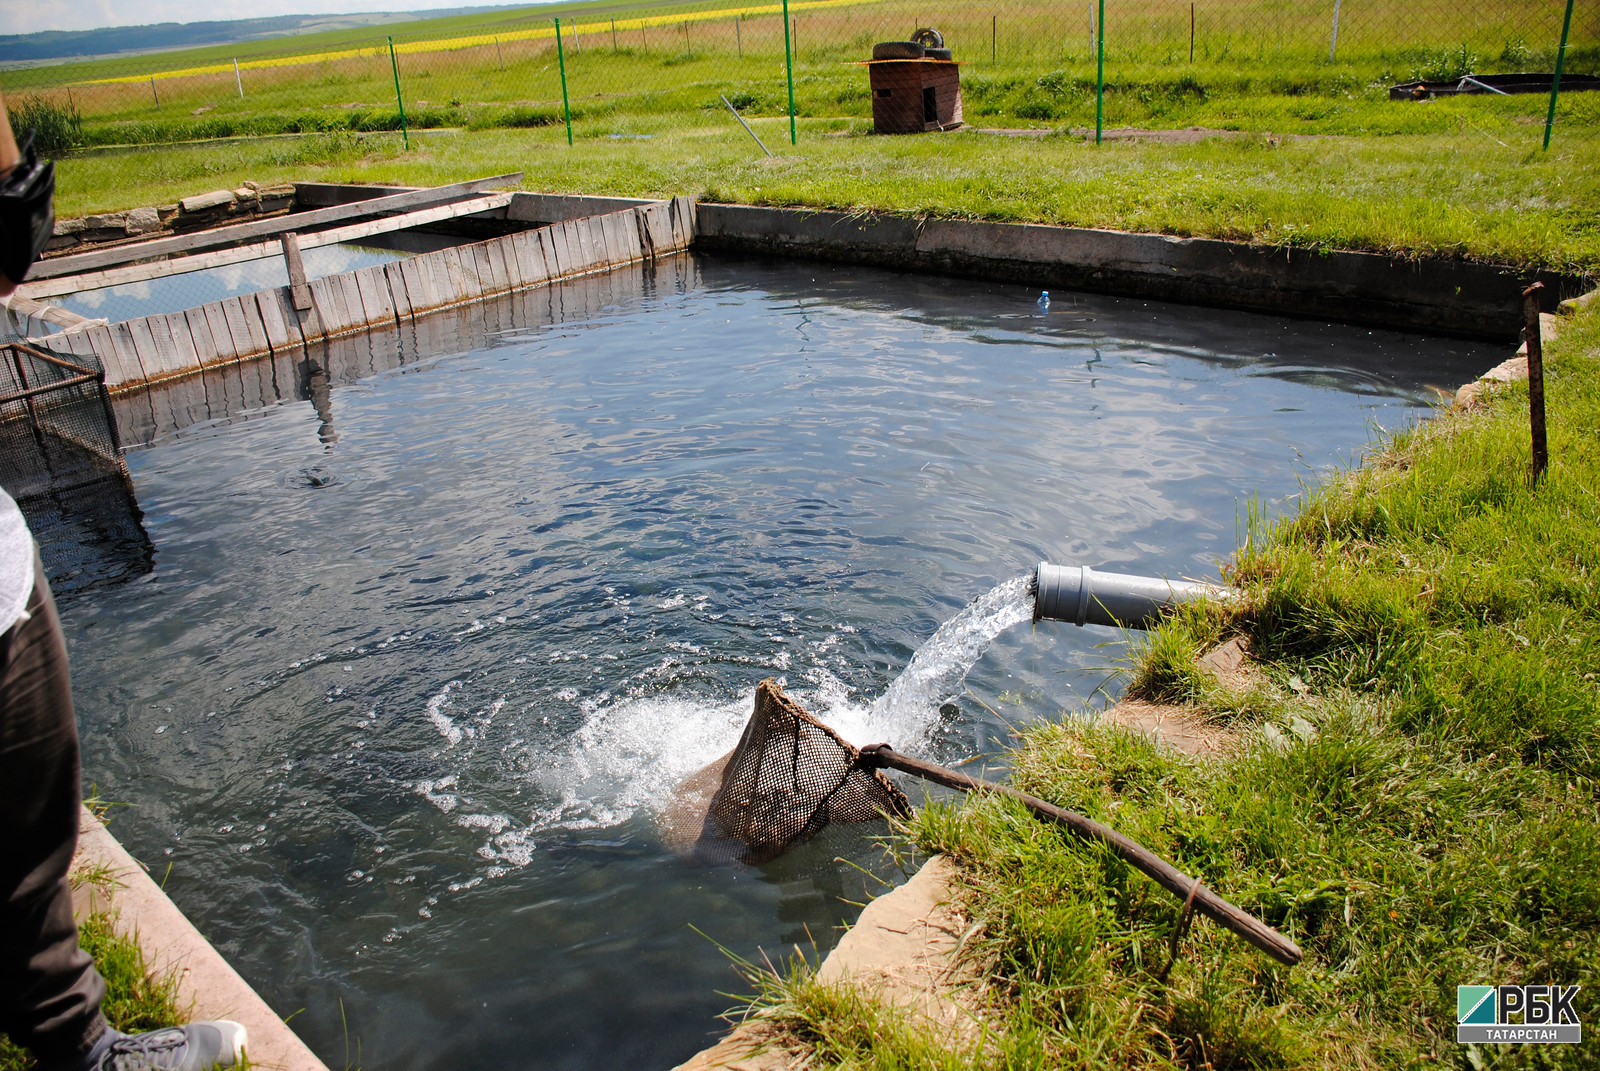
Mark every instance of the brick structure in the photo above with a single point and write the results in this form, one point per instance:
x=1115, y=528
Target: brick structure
x=913, y=96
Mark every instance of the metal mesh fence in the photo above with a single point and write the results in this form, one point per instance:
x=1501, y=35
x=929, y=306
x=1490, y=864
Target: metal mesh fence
x=506, y=69
x=61, y=460
x=56, y=427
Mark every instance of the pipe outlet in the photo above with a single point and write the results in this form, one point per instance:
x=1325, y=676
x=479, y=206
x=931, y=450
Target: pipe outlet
x=1085, y=596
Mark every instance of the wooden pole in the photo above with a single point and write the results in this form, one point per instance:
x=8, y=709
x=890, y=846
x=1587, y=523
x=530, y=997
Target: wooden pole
x=153, y=92
x=299, y=289
x=1530, y=334
x=1135, y=854
x=237, y=80
x=1191, y=33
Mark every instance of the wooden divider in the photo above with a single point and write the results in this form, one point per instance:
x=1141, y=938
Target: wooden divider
x=148, y=414
x=201, y=342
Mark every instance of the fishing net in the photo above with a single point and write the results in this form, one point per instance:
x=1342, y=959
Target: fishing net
x=789, y=776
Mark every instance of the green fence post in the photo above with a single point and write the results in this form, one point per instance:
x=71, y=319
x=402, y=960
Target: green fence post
x=395, y=63
x=1555, y=83
x=1100, y=74
x=788, y=63
x=561, y=58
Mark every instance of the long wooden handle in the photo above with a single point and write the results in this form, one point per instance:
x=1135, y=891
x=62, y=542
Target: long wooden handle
x=1158, y=869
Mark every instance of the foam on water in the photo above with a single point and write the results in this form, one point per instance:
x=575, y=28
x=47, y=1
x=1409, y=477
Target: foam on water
x=632, y=750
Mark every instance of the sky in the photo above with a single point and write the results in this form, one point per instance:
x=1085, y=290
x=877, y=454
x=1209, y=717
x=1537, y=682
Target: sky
x=29, y=16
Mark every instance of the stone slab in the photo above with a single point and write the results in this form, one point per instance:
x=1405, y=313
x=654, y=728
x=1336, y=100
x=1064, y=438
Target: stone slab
x=902, y=950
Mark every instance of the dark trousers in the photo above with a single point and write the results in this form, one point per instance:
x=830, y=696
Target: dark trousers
x=49, y=990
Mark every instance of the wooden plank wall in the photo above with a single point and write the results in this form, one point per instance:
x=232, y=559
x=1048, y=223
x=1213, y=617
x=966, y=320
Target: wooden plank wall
x=143, y=353
x=237, y=389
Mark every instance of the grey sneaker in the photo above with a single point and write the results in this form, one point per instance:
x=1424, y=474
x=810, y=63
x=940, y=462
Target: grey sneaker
x=192, y=1047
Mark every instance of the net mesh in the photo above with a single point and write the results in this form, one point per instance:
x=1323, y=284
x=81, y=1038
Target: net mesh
x=61, y=460
x=789, y=776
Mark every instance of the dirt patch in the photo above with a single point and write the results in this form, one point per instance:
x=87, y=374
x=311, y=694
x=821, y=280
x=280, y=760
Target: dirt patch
x=1184, y=728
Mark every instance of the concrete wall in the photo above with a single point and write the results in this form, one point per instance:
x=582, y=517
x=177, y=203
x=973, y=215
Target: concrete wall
x=560, y=207
x=1437, y=295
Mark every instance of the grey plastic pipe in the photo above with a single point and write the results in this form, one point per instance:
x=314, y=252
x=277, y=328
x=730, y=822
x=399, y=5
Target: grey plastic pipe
x=1085, y=597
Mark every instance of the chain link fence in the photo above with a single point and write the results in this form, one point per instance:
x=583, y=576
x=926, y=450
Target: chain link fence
x=601, y=65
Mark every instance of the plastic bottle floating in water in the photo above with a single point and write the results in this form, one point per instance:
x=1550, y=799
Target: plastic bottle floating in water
x=1044, y=301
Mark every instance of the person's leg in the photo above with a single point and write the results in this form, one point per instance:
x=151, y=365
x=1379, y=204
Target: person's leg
x=49, y=990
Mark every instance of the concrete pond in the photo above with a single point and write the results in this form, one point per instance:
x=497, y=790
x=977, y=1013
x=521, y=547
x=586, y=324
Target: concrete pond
x=411, y=639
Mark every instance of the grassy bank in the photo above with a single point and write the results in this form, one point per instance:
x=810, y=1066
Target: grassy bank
x=136, y=1000
x=1413, y=795
x=1472, y=182
x=1308, y=152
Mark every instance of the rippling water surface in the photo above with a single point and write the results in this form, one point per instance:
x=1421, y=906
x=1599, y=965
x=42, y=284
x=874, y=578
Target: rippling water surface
x=411, y=675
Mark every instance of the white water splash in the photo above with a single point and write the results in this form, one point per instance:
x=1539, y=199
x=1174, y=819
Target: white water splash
x=442, y=721
x=910, y=708
x=632, y=751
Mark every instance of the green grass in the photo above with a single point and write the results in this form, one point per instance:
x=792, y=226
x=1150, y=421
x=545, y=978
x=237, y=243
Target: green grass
x=136, y=1000
x=1462, y=177
x=1414, y=799
x=1472, y=183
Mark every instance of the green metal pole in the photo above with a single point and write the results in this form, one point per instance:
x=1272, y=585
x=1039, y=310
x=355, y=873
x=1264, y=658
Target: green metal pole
x=395, y=63
x=1100, y=75
x=1555, y=83
x=788, y=63
x=561, y=58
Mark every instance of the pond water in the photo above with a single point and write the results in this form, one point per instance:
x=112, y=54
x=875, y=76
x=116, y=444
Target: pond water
x=174, y=293
x=411, y=668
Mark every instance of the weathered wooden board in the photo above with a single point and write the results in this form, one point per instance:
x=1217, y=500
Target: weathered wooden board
x=327, y=301
x=377, y=304
x=272, y=309
x=397, y=290
x=78, y=263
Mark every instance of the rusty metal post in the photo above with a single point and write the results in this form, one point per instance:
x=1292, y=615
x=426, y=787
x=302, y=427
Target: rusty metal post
x=1530, y=333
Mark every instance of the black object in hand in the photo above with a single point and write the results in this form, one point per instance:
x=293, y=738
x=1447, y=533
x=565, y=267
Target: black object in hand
x=27, y=212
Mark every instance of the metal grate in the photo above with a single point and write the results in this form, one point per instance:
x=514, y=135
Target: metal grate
x=56, y=425
x=61, y=460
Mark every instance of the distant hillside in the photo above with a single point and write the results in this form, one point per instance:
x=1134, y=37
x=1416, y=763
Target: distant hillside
x=29, y=48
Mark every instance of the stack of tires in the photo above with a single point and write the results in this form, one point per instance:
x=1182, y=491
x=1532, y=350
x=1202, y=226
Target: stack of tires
x=924, y=44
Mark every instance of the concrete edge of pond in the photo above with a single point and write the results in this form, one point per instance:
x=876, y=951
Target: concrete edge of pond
x=1434, y=294
x=903, y=948
x=171, y=945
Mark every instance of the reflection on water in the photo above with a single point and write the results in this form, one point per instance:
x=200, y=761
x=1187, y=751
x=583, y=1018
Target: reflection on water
x=419, y=660
x=174, y=293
